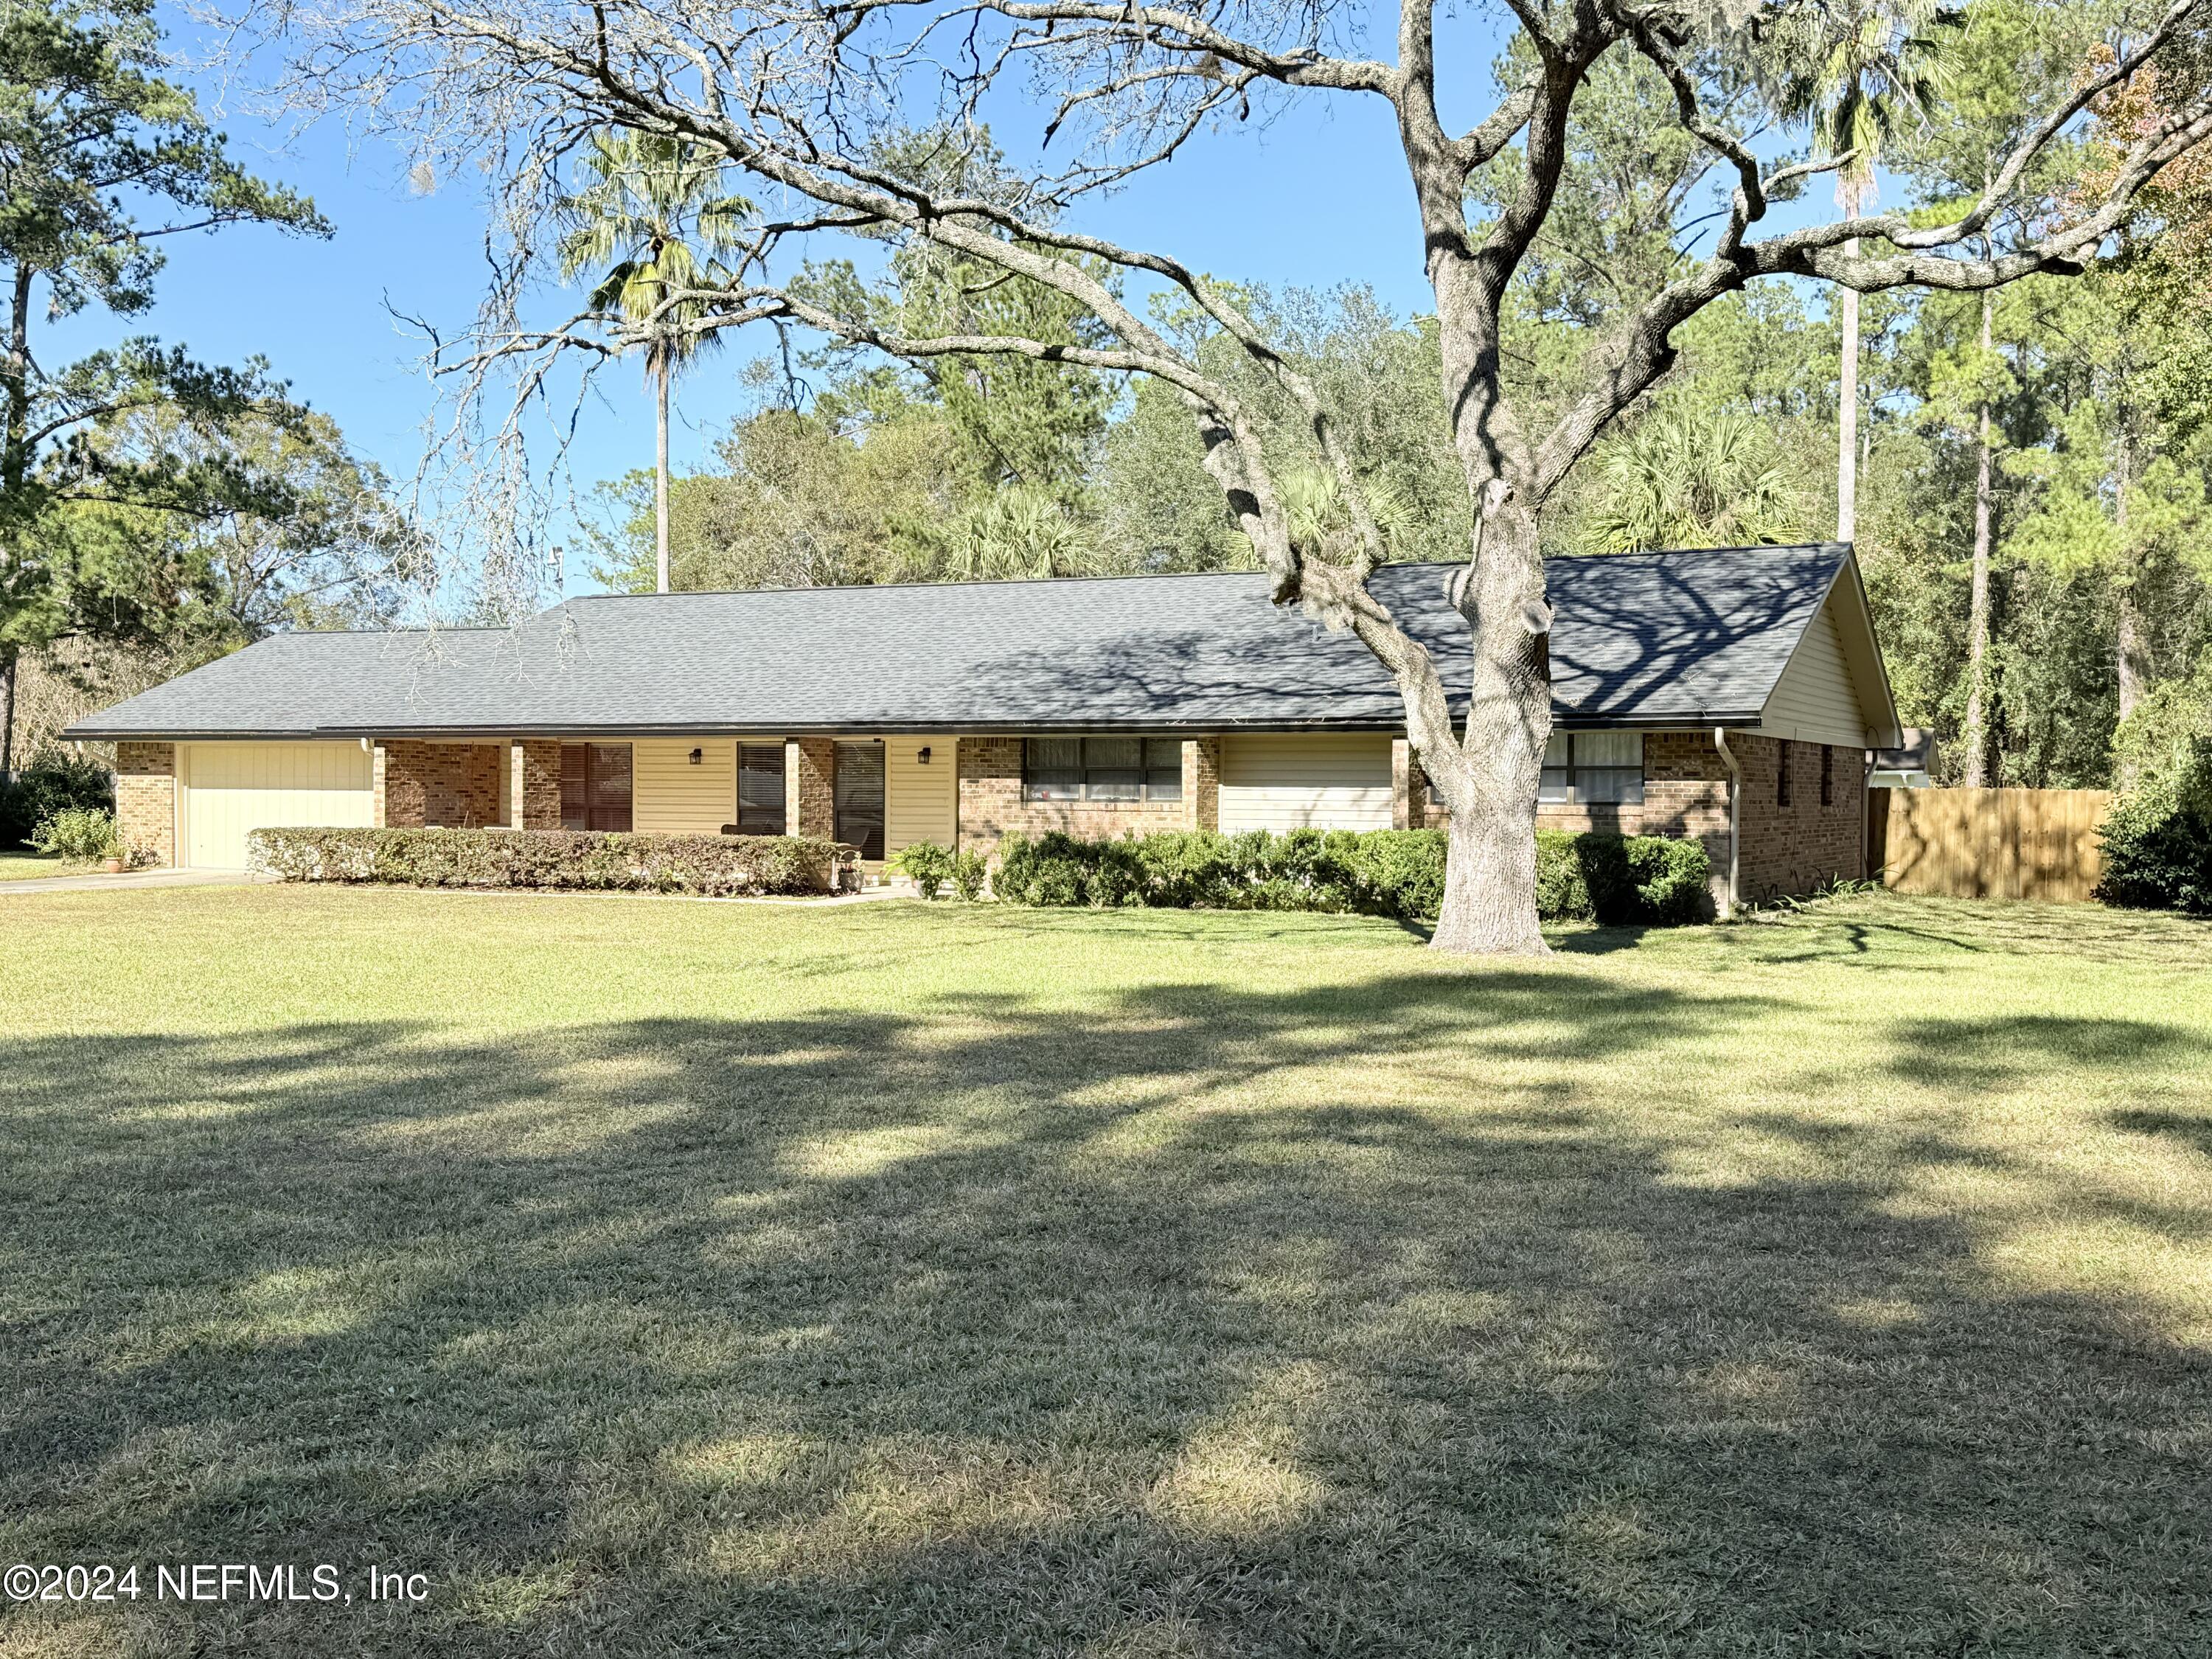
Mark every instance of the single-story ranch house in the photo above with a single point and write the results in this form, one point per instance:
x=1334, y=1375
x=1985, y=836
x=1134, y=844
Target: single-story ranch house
x=1728, y=694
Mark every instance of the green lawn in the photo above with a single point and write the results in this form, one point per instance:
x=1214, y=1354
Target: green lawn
x=659, y=1277
x=20, y=864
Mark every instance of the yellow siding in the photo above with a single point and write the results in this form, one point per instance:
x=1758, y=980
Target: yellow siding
x=229, y=788
x=1327, y=780
x=920, y=802
x=1814, y=701
x=671, y=797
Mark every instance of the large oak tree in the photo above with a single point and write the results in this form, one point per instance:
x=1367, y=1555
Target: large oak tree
x=816, y=102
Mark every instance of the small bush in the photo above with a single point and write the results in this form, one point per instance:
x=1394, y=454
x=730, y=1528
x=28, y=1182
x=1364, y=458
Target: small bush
x=926, y=864
x=2157, y=852
x=970, y=871
x=1673, y=877
x=713, y=867
x=54, y=781
x=1384, y=872
x=82, y=832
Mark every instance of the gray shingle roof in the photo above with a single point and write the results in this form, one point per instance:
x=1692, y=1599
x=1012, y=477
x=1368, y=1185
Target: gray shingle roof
x=1687, y=638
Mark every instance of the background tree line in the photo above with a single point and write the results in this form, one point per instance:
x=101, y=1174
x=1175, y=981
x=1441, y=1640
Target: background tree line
x=2030, y=463
x=155, y=511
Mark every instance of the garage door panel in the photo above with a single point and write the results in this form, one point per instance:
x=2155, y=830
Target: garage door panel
x=231, y=789
x=1319, y=781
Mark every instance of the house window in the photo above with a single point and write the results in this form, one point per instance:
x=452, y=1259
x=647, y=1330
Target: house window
x=595, y=786
x=1782, y=773
x=859, y=797
x=760, y=788
x=1102, y=768
x=1593, y=768
x=1828, y=775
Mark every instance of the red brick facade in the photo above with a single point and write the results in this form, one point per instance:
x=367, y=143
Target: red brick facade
x=1805, y=844
x=533, y=788
x=991, y=804
x=1784, y=849
x=146, y=799
x=810, y=788
x=1787, y=846
x=455, y=786
x=1201, y=782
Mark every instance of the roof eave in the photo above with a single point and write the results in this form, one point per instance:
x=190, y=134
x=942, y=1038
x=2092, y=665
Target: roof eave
x=1688, y=721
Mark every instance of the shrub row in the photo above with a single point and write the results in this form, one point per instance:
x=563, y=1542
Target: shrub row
x=716, y=866
x=1386, y=872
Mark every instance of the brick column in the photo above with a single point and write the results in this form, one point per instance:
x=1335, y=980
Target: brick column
x=990, y=790
x=1405, y=783
x=146, y=798
x=377, y=814
x=533, y=786
x=1201, y=783
x=810, y=791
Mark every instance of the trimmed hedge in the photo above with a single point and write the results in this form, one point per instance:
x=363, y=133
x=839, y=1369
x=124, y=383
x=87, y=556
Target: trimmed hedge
x=716, y=866
x=1658, y=880
x=1386, y=872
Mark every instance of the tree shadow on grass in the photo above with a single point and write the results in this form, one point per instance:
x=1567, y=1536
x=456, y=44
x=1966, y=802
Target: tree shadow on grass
x=1379, y=1317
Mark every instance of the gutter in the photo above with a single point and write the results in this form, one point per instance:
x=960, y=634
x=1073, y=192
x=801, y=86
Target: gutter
x=1732, y=896
x=500, y=732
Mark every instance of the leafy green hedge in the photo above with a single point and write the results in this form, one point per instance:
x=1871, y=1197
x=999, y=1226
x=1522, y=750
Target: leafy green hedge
x=2157, y=837
x=1387, y=872
x=2157, y=852
x=716, y=867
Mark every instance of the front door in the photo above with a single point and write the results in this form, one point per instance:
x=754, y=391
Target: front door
x=861, y=797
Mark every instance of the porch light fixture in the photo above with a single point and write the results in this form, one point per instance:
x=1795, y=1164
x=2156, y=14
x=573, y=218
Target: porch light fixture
x=921, y=756
x=694, y=757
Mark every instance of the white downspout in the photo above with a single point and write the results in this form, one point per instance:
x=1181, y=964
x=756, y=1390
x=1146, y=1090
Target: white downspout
x=1732, y=895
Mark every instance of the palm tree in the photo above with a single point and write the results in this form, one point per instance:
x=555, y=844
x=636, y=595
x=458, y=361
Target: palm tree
x=1685, y=478
x=1856, y=72
x=649, y=200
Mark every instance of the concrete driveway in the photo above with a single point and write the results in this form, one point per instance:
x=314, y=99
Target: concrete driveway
x=133, y=879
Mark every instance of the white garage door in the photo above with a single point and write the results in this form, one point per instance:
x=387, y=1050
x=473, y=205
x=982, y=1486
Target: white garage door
x=1327, y=780
x=232, y=787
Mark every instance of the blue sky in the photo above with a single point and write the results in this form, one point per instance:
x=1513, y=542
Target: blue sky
x=1306, y=212
x=1316, y=196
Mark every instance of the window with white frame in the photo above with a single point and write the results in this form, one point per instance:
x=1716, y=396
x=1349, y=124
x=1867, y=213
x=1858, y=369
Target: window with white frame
x=1594, y=768
x=1102, y=768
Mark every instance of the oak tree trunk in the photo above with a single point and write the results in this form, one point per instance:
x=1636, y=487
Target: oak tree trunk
x=1490, y=874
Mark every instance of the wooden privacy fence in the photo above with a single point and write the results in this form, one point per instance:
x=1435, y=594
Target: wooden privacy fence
x=1987, y=844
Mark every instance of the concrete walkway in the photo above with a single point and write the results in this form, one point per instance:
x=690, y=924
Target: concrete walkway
x=133, y=879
